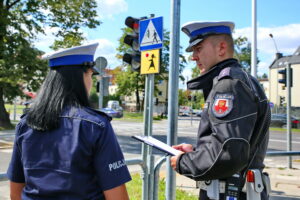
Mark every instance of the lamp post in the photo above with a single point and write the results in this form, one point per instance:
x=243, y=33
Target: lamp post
x=271, y=35
x=277, y=56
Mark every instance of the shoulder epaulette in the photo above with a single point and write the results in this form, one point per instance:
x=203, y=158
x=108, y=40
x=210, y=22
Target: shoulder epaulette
x=224, y=73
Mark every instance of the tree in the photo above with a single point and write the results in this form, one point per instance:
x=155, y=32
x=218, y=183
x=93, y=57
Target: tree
x=20, y=22
x=243, y=52
x=129, y=81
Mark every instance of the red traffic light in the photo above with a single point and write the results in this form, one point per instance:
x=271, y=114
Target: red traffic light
x=132, y=23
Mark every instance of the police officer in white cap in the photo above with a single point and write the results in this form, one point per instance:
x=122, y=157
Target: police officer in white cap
x=233, y=133
x=63, y=148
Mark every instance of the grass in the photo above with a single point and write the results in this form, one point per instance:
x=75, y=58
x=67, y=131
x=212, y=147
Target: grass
x=283, y=129
x=136, y=117
x=10, y=108
x=134, y=188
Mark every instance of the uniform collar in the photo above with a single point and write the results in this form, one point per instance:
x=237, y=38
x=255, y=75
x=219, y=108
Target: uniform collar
x=100, y=112
x=205, y=81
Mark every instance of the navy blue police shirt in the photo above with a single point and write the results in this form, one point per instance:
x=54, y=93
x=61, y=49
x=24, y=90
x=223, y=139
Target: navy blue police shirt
x=78, y=160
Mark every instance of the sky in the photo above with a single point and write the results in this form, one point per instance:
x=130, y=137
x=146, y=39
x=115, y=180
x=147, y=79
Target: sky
x=281, y=18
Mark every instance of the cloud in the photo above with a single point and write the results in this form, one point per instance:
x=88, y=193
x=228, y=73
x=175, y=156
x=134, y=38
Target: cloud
x=287, y=38
x=106, y=49
x=109, y=8
x=44, y=41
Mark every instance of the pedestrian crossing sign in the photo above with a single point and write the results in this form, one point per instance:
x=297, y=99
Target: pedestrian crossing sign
x=151, y=33
x=150, y=62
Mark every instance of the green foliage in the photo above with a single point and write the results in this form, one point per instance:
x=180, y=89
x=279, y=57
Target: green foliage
x=243, y=52
x=195, y=72
x=183, y=99
x=20, y=21
x=134, y=189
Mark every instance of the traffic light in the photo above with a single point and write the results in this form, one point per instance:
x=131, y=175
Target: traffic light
x=284, y=77
x=195, y=98
x=189, y=97
x=133, y=57
x=281, y=100
x=156, y=101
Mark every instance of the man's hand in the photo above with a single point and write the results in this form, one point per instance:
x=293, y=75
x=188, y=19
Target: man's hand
x=185, y=148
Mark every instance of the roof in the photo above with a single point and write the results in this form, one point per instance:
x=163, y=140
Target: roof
x=281, y=62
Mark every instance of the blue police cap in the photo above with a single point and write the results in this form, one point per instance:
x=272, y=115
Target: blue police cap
x=75, y=56
x=197, y=31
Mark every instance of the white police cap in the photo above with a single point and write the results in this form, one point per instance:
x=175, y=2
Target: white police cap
x=75, y=56
x=197, y=30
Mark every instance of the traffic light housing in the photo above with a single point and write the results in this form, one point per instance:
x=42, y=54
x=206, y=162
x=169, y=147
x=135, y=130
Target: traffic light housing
x=283, y=79
x=281, y=100
x=133, y=57
x=195, y=98
x=156, y=101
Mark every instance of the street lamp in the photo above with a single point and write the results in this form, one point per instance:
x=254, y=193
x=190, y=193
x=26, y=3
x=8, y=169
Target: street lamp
x=278, y=55
x=271, y=35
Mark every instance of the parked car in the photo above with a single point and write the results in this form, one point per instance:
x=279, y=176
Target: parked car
x=280, y=120
x=199, y=113
x=113, y=113
x=185, y=111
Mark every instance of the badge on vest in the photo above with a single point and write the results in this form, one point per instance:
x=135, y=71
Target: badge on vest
x=222, y=105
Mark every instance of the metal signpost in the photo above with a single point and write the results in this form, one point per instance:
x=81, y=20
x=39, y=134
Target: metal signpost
x=150, y=40
x=101, y=64
x=288, y=113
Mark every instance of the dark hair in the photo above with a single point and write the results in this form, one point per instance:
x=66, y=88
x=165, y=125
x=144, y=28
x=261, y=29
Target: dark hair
x=63, y=86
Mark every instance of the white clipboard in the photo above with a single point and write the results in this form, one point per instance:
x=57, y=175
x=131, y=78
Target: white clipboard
x=157, y=144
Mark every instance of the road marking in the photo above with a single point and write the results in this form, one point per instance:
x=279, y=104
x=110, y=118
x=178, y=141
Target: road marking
x=6, y=150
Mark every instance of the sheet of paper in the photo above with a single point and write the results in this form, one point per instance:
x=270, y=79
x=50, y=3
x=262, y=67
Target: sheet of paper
x=158, y=144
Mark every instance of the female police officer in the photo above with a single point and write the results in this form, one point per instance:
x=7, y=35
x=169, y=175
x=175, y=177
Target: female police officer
x=64, y=149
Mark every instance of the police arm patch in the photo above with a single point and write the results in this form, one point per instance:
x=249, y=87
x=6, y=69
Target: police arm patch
x=222, y=105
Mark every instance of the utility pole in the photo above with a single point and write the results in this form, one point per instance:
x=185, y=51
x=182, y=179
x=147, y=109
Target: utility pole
x=253, y=44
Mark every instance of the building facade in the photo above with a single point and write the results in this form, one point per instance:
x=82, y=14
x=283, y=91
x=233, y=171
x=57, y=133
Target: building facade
x=277, y=91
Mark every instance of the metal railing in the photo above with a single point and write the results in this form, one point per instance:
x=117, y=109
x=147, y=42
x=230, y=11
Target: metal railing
x=159, y=163
x=282, y=153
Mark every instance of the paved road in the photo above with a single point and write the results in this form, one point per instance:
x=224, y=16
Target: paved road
x=186, y=133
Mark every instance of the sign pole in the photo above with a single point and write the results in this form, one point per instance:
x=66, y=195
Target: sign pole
x=288, y=113
x=101, y=64
x=150, y=40
x=173, y=94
